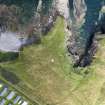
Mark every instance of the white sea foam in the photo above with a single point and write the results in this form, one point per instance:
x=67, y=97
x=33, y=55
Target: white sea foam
x=80, y=9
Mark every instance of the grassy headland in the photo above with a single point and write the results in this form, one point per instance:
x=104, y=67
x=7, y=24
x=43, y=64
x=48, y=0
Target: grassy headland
x=46, y=74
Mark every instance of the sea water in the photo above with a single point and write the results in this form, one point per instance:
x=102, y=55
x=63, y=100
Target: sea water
x=84, y=16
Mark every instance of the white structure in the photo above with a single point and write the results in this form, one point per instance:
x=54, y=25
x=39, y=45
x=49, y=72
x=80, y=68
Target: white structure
x=24, y=103
x=9, y=42
x=4, y=92
x=11, y=95
x=3, y=102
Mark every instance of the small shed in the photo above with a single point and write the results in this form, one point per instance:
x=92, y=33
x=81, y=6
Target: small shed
x=16, y=100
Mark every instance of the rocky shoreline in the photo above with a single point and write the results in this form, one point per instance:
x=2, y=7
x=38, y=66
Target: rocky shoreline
x=84, y=58
x=81, y=57
x=41, y=24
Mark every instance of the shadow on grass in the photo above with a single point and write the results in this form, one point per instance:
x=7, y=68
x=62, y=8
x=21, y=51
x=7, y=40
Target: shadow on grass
x=9, y=76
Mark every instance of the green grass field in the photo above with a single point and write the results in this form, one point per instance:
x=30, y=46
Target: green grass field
x=47, y=77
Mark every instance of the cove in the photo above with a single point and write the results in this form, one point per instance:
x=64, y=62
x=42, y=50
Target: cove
x=84, y=18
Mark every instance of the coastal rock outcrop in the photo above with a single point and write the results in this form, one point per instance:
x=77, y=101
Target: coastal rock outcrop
x=84, y=25
x=26, y=20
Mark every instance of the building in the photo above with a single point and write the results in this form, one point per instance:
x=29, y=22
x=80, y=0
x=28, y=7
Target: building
x=24, y=103
x=16, y=100
x=11, y=95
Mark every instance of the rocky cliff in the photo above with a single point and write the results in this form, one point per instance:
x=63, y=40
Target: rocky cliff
x=85, y=23
x=27, y=20
x=83, y=20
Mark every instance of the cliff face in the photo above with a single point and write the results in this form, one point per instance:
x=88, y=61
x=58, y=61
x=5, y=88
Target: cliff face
x=18, y=10
x=20, y=13
x=27, y=19
x=84, y=17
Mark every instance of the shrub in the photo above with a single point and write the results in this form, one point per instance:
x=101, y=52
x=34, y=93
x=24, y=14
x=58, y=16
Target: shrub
x=8, y=56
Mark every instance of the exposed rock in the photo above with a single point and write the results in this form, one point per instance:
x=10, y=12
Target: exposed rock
x=62, y=6
x=9, y=17
x=82, y=43
x=13, y=34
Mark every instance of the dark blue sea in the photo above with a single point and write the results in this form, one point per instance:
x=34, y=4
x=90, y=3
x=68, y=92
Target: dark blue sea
x=91, y=19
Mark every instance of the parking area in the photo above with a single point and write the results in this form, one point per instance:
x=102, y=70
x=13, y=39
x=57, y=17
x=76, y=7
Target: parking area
x=9, y=96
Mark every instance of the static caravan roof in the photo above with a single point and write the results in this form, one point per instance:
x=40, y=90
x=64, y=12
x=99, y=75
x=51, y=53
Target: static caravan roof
x=4, y=91
x=10, y=95
x=2, y=102
x=16, y=99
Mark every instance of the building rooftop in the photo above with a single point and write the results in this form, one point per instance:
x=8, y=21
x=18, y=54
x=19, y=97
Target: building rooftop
x=10, y=95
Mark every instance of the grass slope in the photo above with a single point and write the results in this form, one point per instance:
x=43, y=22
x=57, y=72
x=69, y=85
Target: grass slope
x=46, y=73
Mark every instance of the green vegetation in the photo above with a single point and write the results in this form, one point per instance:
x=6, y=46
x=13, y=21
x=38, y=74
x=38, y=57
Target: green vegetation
x=8, y=56
x=46, y=74
x=36, y=68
